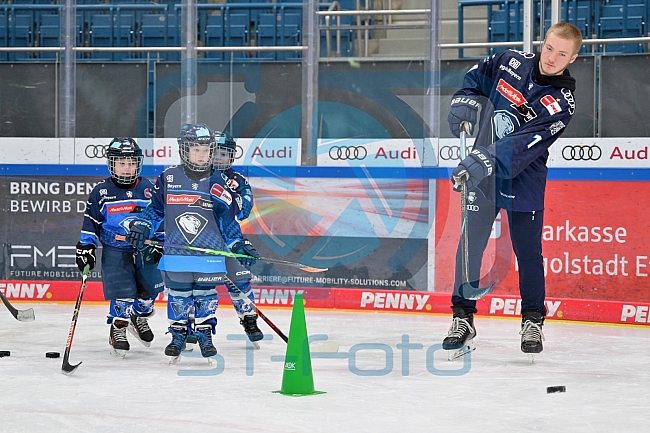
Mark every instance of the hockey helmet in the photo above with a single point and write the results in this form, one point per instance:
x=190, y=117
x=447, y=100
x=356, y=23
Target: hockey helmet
x=191, y=136
x=226, y=148
x=121, y=149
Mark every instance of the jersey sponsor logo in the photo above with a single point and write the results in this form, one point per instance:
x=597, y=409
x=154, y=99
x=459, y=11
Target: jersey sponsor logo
x=232, y=184
x=510, y=93
x=568, y=97
x=526, y=112
x=169, y=178
x=121, y=208
x=514, y=63
x=508, y=196
x=219, y=192
x=512, y=73
x=147, y=193
x=174, y=186
x=129, y=194
x=503, y=123
x=103, y=191
x=551, y=104
x=202, y=203
x=182, y=198
x=582, y=153
x=556, y=127
x=191, y=224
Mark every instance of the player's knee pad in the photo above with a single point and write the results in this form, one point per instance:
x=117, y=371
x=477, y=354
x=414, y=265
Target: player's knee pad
x=143, y=307
x=119, y=309
x=205, y=308
x=179, y=307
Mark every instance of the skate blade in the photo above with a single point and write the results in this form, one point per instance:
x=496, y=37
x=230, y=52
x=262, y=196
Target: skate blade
x=531, y=358
x=173, y=360
x=119, y=353
x=256, y=345
x=459, y=353
x=133, y=332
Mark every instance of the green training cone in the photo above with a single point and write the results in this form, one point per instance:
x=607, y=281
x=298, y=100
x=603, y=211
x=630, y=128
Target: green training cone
x=297, y=378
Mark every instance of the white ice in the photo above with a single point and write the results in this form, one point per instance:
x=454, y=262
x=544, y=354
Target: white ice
x=605, y=369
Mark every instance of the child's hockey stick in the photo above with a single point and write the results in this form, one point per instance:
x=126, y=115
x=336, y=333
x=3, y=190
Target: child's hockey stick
x=20, y=315
x=66, y=367
x=467, y=291
x=229, y=254
x=330, y=346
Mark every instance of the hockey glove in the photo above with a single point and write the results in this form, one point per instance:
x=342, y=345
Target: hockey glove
x=85, y=256
x=473, y=169
x=157, y=252
x=140, y=232
x=245, y=247
x=463, y=109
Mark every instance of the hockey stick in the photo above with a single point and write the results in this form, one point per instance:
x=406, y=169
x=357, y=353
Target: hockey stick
x=330, y=346
x=20, y=315
x=66, y=367
x=466, y=290
x=229, y=254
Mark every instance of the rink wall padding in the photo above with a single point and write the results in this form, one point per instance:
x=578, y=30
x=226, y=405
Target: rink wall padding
x=631, y=313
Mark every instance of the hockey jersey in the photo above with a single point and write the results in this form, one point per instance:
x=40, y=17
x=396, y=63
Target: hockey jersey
x=194, y=212
x=520, y=119
x=110, y=210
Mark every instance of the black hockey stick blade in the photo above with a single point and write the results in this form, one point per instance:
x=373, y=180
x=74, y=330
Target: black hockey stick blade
x=468, y=291
x=66, y=367
x=20, y=315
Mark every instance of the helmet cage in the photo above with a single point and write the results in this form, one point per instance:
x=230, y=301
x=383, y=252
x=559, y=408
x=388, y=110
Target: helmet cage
x=121, y=149
x=192, y=136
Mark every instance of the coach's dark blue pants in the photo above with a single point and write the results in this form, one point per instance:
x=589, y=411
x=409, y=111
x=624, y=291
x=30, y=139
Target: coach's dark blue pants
x=526, y=236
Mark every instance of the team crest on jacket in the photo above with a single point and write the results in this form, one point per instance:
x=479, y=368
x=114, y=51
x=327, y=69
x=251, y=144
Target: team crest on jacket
x=191, y=224
x=147, y=193
x=503, y=123
x=551, y=104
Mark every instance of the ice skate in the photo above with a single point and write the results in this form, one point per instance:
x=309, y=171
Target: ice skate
x=531, y=334
x=174, y=348
x=459, y=339
x=139, y=328
x=117, y=338
x=204, y=335
x=249, y=322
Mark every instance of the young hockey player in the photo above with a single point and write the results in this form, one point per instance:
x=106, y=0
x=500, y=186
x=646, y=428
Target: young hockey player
x=238, y=271
x=527, y=103
x=130, y=278
x=196, y=205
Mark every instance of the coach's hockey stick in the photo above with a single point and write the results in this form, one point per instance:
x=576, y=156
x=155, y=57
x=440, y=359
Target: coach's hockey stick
x=20, y=315
x=330, y=346
x=66, y=367
x=230, y=254
x=466, y=290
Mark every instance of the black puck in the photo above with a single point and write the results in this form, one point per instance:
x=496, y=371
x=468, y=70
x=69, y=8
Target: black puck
x=554, y=389
x=4, y=353
x=52, y=354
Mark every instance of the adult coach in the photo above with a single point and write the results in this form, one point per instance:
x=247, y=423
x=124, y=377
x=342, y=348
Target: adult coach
x=526, y=103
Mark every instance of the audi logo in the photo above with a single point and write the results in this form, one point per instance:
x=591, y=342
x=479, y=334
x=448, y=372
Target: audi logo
x=348, y=152
x=582, y=153
x=96, y=151
x=451, y=152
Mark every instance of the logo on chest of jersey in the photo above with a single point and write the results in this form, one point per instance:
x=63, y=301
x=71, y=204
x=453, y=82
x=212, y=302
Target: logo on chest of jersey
x=122, y=208
x=147, y=193
x=182, y=198
x=191, y=224
x=551, y=104
x=232, y=184
x=510, y=93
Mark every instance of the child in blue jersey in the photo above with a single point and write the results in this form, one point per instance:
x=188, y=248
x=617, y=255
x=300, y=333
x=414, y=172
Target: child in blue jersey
x=238, y=272
x=527, y=103
x=195, y=205
x=131, y=280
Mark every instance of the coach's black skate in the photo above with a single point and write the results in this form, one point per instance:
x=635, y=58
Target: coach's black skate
x=249, y=322
x=179, y=335
x=139, y=328
x=117, y=338
x=461, y=333
x=204, y=336
x=531, y=333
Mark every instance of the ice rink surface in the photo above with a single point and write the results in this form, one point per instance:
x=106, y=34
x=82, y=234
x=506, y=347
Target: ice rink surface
x=375, y=387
